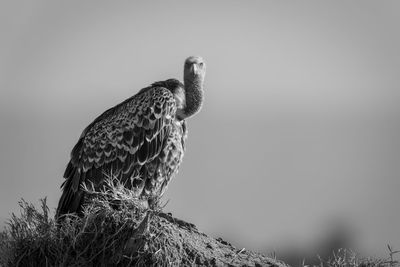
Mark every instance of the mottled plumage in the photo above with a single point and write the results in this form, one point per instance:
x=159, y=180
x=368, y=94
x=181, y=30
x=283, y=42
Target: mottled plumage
x=141, y=141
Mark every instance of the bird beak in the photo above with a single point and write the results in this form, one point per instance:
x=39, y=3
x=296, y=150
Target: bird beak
x=194, y=69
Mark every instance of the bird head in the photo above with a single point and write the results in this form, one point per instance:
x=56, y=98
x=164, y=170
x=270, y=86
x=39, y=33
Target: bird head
x=194, y=73
x=195, y=67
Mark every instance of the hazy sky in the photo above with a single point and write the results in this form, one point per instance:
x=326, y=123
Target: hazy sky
x=299, y=133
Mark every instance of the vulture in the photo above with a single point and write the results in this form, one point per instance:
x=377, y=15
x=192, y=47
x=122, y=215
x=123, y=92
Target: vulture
x=140, y=142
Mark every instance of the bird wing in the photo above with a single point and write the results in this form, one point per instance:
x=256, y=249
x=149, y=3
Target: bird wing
x=129, y=134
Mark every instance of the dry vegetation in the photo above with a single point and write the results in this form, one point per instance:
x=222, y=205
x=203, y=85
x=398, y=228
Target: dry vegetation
x=348, y=258
x=115, y=230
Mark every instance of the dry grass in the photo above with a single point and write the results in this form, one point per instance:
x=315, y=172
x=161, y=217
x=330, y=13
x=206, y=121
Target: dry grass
x=118, y=230
x=348, y=258
x=113, y=231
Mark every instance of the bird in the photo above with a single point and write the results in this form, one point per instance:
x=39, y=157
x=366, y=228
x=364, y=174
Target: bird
x=140, y=142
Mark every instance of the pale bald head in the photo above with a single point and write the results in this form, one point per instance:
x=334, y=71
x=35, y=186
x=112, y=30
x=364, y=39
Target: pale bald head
x=195, y=66
x=193, y=76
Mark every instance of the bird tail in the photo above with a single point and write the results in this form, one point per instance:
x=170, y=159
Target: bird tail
x=72, y=197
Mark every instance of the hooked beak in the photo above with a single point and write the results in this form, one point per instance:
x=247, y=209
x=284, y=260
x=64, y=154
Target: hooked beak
x=194, y=69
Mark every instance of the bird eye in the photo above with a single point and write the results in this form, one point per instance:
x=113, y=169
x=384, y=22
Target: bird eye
x=201, y=64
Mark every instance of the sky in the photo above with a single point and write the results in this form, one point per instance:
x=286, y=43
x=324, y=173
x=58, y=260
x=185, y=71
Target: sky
x=298, y=135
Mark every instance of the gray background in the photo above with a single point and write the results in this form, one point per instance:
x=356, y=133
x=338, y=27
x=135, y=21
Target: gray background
x=298, y=140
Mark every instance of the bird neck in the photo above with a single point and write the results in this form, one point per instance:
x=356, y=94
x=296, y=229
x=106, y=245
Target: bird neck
x=193, y=96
